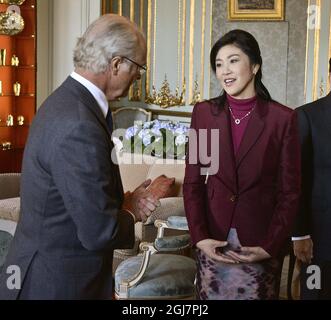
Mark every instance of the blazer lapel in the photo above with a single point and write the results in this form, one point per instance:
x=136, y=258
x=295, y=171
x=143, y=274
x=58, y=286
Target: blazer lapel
x=226, y=167
x=253, y=131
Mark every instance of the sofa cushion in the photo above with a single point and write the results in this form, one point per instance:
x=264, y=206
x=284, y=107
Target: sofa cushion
x=10, y=209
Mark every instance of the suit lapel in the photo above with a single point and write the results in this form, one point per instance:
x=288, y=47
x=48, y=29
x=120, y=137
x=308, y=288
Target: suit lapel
x=88, y=100
x=253, y=131
x=227, y=170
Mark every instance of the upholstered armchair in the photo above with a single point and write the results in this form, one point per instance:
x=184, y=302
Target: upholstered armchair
x=146, y=232
x=9, y=210
x=156, y=273
x=9, y=201
x=125, y=117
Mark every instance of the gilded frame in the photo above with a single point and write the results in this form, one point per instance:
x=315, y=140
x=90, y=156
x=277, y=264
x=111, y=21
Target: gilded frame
x=256, y=10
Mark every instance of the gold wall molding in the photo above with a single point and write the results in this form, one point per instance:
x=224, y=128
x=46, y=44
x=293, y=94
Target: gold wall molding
x=183, y=40
x=317, y=50
x=178, y=68
x=191, y=54
x=203, y=37
x=149, y=41
x=165, y=99
x=120, y=7
x=307, y=55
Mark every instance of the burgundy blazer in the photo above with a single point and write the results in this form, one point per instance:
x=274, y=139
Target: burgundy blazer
x=257, y=190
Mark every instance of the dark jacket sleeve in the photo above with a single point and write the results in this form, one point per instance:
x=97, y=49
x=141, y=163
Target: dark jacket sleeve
x=302, y=226
x=289, y=181
x=84, y=175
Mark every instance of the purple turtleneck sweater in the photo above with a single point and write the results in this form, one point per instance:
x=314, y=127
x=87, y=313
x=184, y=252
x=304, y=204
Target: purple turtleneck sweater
x=240, y=107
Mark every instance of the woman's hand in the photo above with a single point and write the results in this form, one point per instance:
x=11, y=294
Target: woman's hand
x=211, y=248
x=249, y=254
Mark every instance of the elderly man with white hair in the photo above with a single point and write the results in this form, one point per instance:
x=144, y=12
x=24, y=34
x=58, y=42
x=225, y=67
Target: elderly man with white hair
x=73, y=210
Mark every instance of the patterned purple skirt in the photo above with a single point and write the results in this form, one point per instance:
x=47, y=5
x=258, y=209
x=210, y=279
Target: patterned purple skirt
x=243, y=281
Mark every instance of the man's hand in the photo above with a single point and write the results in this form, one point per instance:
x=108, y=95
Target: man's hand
x=249, y=254
x=140, y=202
x=303, y=250
x=212, y=248
x=161, y=187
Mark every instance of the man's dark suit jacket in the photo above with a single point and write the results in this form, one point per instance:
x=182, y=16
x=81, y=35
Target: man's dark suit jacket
x=71, y=195
x=315, y=209
x=257, y=190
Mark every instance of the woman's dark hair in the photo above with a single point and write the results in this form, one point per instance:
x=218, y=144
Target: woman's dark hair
x=248, y=44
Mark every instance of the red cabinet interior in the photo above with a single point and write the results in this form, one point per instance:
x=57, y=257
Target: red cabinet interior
x=23, y=45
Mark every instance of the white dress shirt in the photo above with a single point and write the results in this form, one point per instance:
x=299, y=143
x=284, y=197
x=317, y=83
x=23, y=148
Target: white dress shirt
x=301, y=238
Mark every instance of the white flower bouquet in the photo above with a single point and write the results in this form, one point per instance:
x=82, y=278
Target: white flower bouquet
x=165, y=139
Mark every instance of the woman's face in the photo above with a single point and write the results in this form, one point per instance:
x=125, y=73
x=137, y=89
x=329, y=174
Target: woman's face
x=235, y=72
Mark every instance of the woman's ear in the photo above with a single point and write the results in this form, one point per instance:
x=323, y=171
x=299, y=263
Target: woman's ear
x=256, y=68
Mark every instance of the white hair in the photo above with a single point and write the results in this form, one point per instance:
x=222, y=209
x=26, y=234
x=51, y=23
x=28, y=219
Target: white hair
x=107, y=37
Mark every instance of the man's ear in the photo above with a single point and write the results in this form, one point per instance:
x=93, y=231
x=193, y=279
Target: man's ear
x=115, y=64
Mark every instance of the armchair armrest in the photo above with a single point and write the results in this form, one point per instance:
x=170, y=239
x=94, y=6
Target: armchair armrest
x=173, y=222
x=148, y=249
x=172, y=243
x=161, y=244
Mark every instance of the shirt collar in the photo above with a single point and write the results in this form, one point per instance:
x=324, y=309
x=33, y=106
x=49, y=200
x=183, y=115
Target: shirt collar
x=98, y=95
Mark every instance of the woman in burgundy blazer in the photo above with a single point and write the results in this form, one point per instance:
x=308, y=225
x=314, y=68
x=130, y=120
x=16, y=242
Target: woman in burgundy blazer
x=242, y=179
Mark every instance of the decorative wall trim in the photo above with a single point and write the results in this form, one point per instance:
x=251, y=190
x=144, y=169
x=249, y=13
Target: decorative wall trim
x=307, y=54
x=179, y=61
x=149, y=42
x=44, y=50
x=211, y=9
x=191, y=54
x=203, y=37
x=120, y=7
x=50, y=45
x=316, y=50
x=183, y=41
